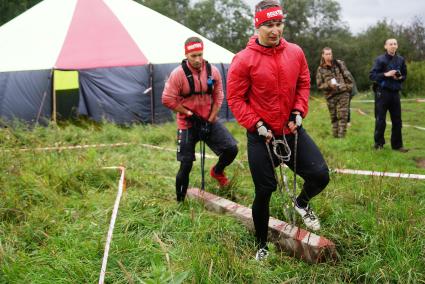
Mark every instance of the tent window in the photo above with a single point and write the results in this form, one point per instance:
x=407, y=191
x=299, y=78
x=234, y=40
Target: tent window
x=66, y=89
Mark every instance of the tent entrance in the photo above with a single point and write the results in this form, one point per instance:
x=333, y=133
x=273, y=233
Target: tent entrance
x=65, y=95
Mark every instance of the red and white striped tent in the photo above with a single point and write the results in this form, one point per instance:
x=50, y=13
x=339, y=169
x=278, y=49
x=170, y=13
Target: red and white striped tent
x=120, y=48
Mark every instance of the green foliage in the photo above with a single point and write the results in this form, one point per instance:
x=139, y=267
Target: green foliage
x=415, y=82
x=175, y=10
x=12, y=8
x=55, y=208
x=225, y=22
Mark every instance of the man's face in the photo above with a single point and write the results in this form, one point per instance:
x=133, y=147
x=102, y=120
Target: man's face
x=195, y=59
x=327, y=55
x=270, y=33
x=391, y=46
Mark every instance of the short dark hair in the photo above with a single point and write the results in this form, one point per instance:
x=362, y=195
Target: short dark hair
x=385, y=42
x=265, y=4
x=193, y=39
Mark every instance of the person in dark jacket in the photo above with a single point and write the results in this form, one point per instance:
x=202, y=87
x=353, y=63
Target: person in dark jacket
x=388, y=73
x=268, y=87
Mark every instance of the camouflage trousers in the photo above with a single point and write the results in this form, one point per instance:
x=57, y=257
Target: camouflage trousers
x=339, y=106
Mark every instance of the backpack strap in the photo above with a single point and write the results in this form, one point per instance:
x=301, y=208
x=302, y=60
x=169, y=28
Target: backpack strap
x=189, y=76
x=210, y=80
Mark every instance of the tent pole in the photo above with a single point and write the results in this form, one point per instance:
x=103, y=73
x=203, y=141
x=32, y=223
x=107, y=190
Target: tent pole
x=54, y=97
x=44, y=97
x=152, y=94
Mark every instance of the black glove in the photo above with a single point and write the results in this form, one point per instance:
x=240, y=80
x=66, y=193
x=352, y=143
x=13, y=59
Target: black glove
x=202, y=126
x=296, y=119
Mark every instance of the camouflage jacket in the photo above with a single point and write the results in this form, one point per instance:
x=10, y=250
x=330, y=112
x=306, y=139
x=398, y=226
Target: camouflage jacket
x=339, y=71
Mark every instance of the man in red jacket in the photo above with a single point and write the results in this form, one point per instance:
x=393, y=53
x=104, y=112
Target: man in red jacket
x=194, y=90
x=268, y=89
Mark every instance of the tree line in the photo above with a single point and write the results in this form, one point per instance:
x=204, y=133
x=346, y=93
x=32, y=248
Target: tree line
x=312, y=24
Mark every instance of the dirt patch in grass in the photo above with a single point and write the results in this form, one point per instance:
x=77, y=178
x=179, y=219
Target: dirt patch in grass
x=420, y=162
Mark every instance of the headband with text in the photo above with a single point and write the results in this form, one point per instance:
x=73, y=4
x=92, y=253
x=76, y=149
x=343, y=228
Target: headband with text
x=193, y=46
x=273, y=13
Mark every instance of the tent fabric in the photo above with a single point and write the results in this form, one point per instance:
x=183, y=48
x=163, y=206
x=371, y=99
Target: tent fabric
x=26, y=95
x=166, y=36
x=160, y=73
x=84, y=34
x=33, y=40
x=86, y=47
x=115, y=94
x=120, y=48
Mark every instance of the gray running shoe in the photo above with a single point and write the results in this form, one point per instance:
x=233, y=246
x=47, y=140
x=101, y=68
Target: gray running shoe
x=310, y=219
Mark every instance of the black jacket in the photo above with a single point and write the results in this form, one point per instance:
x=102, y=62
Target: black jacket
x=385, y=63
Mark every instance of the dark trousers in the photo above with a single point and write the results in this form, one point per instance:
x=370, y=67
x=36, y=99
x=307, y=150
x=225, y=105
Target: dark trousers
x=386, y=100
x=311, y=166
x=220, y=141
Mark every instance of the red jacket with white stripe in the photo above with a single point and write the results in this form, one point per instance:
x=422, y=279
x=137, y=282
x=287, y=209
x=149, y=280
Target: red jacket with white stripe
x=177, y=85
x=267, y=83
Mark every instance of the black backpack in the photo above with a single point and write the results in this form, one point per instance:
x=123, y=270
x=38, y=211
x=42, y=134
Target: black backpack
x=189, y=76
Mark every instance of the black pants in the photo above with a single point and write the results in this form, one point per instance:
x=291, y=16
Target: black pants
x=311, y=166
x=386, y=100
x=220, y=141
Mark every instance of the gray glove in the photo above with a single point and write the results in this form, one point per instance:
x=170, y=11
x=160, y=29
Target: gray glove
x=297, y=119
x=261, y=129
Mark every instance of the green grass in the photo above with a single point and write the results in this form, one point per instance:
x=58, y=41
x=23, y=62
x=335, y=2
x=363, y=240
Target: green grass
x=55, y=209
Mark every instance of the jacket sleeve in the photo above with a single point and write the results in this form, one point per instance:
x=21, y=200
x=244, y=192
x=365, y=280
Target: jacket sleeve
x=403, y=70
x=347, y=76
x=322, y=85
x=173, y=87
x=218, y=88
x=303, y=86
x=377, y=74
x=238, y=83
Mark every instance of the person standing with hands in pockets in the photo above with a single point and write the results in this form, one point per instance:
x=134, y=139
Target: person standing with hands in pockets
x=268, y=87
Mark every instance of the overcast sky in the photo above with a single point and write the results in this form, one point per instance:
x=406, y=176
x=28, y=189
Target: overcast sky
x=360, y=14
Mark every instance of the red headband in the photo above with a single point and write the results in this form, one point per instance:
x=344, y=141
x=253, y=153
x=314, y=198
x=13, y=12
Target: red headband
x=193, y=46
x=273, y=13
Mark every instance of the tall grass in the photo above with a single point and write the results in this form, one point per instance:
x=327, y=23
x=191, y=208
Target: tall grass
x=55, y=208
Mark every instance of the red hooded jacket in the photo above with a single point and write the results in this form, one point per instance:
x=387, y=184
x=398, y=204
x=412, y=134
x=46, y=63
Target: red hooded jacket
x=267, y=84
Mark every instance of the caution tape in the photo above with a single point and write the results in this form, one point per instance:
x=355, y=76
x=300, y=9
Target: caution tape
x=379, y=174
x=74, y=147
x=121, y=188
x=418, y=100
x=389, y=122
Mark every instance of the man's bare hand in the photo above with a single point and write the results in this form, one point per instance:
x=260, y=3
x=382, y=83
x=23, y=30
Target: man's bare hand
x=391, y=73
x=292, y=127
x=269, y=136
x=212, y=119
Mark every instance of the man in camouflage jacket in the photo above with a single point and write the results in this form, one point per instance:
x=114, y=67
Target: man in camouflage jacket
x=334, y=79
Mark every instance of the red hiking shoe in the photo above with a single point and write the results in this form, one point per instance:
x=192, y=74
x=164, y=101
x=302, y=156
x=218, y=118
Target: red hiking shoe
x=221, y=178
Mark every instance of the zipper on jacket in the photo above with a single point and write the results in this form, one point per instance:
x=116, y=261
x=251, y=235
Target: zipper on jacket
x=278, y=87
x=200, y=83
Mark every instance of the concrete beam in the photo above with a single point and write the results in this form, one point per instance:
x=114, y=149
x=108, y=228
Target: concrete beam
x=295, y=241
